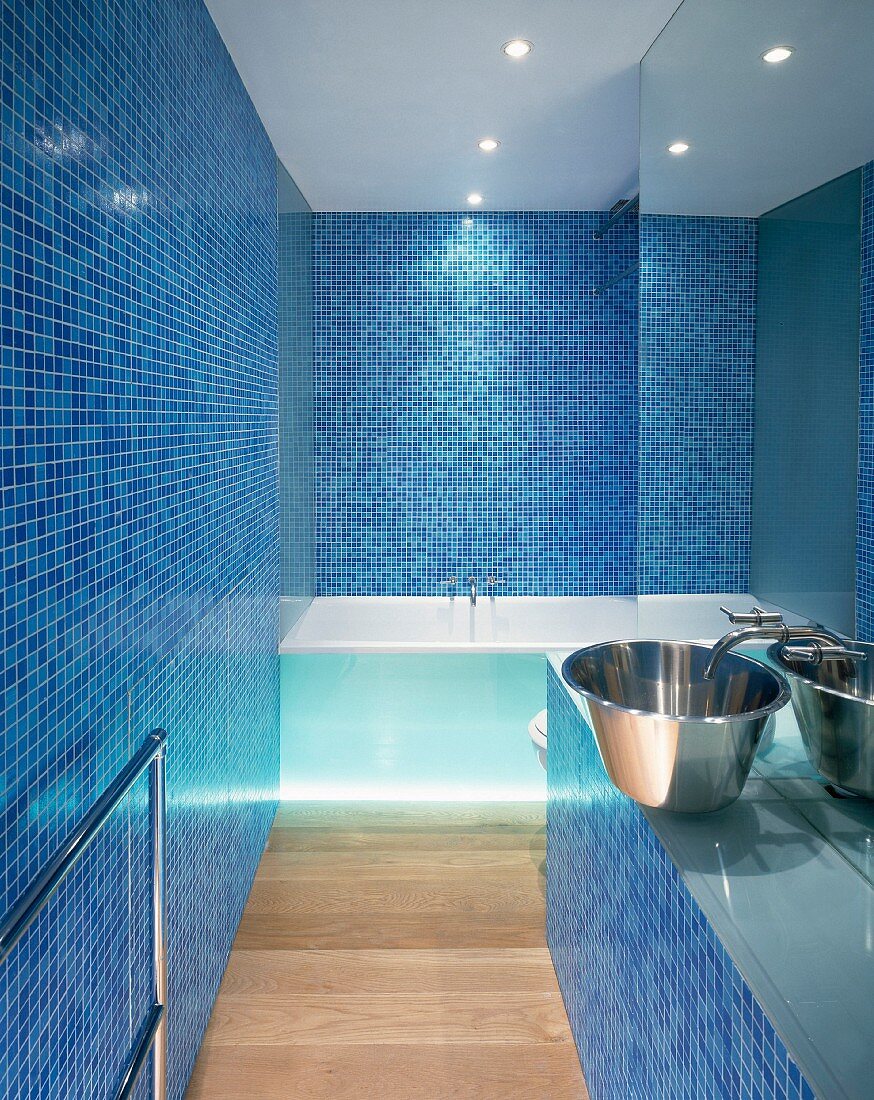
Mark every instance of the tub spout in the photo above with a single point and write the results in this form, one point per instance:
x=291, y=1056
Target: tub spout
x=471, y=580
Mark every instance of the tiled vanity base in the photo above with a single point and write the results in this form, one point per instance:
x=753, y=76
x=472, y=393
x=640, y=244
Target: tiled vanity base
x=657, y=1007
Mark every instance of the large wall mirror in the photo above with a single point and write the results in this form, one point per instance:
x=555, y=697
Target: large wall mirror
x=757, y=133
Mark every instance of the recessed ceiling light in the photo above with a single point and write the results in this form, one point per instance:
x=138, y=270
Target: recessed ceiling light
x=776, y=54
x=488, y=145
x=474, y=198
x=678, y=148
x=517, y=47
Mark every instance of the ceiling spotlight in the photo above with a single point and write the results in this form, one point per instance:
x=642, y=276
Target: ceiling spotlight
x=488, y=145
x=776, y=54
x=678, y=148
x=474, y=198
x=517, y=47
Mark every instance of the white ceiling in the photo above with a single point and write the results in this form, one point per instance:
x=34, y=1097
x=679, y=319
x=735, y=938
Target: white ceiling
x=378, y=104
x=759, y=134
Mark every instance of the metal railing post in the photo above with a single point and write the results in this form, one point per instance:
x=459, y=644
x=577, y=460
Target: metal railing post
x=152, y=1035
x=158, y=803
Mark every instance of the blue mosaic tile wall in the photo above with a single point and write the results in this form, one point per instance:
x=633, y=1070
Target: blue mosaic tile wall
x=296, y=443
x=656, y=1005
x=475, y=403
x=865, y=531
x=697, y=402
x=138, y=437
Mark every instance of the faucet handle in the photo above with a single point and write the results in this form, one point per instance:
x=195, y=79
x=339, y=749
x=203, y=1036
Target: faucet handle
x=814, y=654
x=492, y=580
x=452, y=581
x=757, y=617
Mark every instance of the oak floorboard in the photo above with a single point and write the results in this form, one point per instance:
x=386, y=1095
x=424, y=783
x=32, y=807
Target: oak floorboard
x=422, y=839
x=502, y=970
x=407, y=866
x=462, y=893
x=395, y=949
x=269, y=931
x=457, y=1071
x=413, y=1018
x=335, y=815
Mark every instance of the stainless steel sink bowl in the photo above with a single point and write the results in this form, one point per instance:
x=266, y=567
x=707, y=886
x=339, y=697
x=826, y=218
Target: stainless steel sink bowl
x=834, y=705
x=668, y=737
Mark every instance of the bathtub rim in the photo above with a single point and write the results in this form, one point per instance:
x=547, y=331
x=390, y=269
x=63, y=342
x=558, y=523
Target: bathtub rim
x=615, y=610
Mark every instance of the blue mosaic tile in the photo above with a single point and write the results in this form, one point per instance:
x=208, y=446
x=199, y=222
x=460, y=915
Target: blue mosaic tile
x=697, y=402
x=296, y=443
x=475, y=403
x=138, y=437
x=656, y=1005
x=865, y=530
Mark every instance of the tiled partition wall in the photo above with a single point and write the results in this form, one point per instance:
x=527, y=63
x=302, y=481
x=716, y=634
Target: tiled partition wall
x=140, y=557
x=296, y=442
x=656, y=1005
x=475, y=403
x=697, y=402
x=865, y=535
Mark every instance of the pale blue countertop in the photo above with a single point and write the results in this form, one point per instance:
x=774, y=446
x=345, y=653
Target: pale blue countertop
x=794, y=910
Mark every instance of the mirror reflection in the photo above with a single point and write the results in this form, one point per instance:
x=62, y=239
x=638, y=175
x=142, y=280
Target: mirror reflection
x=756, y=138
x=756, y=344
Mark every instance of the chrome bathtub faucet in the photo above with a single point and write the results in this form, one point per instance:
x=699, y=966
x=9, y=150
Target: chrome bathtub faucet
x=451, y=583
x=471, y=580
x=492, y=582
x=770, y=626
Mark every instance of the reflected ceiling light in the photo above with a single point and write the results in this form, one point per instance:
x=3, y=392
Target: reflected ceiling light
x=517, y=48
x=776, y=54
x=488, y=145
x=474, y=198
x=678, y=148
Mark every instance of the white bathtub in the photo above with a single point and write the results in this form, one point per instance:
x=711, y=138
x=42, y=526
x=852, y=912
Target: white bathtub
x=352, y=624
x=397, y=624
x=427, y=698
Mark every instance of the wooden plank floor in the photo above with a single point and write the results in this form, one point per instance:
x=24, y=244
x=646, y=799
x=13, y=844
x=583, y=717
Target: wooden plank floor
x=398, y=951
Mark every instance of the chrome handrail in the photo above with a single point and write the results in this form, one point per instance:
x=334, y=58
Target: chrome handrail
x=24, y=912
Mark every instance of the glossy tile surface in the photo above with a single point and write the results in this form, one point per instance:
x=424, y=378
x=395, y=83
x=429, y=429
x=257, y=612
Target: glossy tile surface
x=697, y=361
x=476, y=404
x=656, y=1005
x=138, y=448
x=865, y=532
x=296, y=442
x=756, y=918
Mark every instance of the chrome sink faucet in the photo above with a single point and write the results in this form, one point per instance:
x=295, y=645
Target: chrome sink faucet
x=471, y=580
x=766, y=626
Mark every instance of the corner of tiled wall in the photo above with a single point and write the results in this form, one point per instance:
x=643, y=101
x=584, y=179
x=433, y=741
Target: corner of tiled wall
x=697, y=402
x=865, y=531
x=140, y=553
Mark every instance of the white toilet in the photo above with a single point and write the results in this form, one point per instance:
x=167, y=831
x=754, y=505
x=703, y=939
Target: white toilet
x=537, y=733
